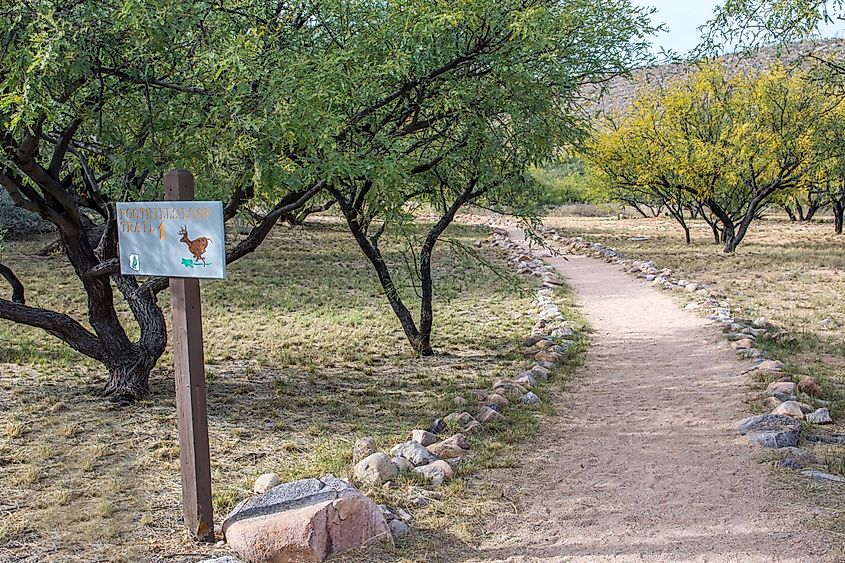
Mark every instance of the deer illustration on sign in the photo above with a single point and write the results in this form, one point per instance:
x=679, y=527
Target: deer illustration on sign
x=197, y=246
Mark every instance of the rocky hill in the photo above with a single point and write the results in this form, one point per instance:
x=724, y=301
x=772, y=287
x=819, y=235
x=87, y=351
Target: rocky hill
x=621, y=91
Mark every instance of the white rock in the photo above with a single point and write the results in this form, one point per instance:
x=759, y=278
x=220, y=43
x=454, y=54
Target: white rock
x=820, y=416
x=265, y=482
x=375, y=469
x=437, y=472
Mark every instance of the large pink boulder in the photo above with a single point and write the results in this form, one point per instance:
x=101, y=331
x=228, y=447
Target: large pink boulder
x=304, y=521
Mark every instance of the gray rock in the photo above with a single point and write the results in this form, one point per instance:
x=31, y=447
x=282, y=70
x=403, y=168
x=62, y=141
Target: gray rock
x=307, y=520
x=771, y=430
x=458, y=418
x=288, y=496
x=486, y=414
x=398, y=528
x=530, y=399
x=788, y=463
x=437, y=426
x=820, y=416
x=798, y=457
x=813, y=474
x=402, y=464
x=437, y=472
x=785, y=387
x=363, y=448
x=424, y=437
x=414, y=452
x=526, y=380
x=375, y=469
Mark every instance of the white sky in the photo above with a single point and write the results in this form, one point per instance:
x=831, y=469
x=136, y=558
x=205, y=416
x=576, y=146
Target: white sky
x=684, y=16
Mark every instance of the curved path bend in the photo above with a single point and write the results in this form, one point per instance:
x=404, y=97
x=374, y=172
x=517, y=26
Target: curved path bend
x=642, y=462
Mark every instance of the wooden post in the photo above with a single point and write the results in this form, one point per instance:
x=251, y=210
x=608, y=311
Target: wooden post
x=189, y=360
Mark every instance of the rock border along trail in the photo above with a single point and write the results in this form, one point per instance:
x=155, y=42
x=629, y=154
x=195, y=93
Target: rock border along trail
x=643, y=461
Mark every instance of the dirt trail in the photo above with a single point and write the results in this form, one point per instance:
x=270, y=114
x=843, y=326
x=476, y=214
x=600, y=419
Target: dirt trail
x=643, y=461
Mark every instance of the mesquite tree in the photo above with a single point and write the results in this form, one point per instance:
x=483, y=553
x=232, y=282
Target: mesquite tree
x=452, y=103
x=730, y=144
x=97, y=100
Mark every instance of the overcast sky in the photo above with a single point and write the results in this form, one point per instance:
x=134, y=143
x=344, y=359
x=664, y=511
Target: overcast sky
x=684, y=16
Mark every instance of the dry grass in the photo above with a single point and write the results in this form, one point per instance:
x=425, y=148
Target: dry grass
x=304, y=357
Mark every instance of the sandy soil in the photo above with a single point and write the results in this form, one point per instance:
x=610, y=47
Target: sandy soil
x=643, y=462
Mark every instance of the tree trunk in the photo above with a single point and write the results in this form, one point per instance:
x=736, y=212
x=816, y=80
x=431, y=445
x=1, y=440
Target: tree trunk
x=800, y=211
x=791, y=213
x=728, y=226
x=811, y=211
x=838, y=215
x=129, y=375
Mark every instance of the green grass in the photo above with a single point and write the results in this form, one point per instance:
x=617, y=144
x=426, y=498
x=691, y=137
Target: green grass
x=304, y=356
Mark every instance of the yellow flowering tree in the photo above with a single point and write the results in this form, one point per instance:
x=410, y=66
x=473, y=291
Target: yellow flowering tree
x=717, y=146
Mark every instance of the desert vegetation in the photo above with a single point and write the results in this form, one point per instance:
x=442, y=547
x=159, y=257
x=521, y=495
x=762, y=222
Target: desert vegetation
x=362, y=152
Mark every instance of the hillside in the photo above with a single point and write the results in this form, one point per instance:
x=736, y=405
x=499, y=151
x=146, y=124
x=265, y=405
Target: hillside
x=621, y=91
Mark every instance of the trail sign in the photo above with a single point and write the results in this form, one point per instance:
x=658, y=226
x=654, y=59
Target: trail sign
x=182, y=239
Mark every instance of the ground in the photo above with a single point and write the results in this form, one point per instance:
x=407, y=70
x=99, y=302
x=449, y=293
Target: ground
x=791, y=273
x=643, y=461
x=304, y=356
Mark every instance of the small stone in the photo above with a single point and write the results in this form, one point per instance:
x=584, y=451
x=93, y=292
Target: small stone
x=532, y=340
x=224, y=559
x=486, y=414
x=472, y=427
x=493, y=406
x=424, y=437
x=820, y=416
x=771, y=402
x=790, y=408
x=743, y=344
x=788, y=463
x=402, y=464
x=809, y=386
x=543, y=345
x=800, y=456
x=437, y=426
x=770, y=365
x=363, y=447
x=437, y=472
x=398, y=528
x=771, y=430
x=455, y=446
x=375, y=469
x=691, y=287
x=539, y=372
x=459, y=401
x=787, y=387
x=458, y=419
x=265, y=482
x=813, y=474
x=497, y=399
x=530, y=399
x=509, y=389
x=526, y=380
x=414, y=452
x=761, y=322
x=550, y=357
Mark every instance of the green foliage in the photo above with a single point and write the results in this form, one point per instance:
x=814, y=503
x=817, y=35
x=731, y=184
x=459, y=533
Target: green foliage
x=731, y=144
x=568, y=181
x=747, y=24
